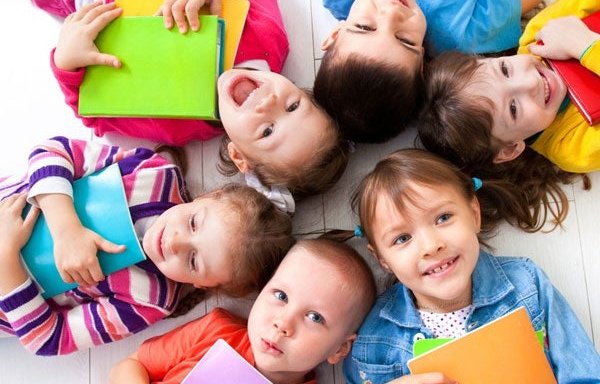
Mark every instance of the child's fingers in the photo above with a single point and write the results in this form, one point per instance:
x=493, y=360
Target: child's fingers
x=86, y=278
x=98, y=58
x=178, y=9
x=103, y=19
x=167, y=13
x=80, y=14
x=191, y=10
x=109, y=247
x=215, y=7
x=93, y=13
x=31, y=218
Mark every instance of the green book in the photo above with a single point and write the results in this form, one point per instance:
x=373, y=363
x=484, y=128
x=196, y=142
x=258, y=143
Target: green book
x=164, y=74
x=101, y=206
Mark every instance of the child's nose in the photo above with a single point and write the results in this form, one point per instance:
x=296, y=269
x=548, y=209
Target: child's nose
x=432, y=245
x=283, y=325
x=266, y=103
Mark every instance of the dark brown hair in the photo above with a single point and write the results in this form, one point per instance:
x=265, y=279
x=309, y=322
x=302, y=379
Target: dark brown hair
x=327, y=165
x=264, y=236
x=458, y=127
x=371, y=101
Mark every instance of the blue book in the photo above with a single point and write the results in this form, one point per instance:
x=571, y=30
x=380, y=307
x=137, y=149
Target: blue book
x=101, y=205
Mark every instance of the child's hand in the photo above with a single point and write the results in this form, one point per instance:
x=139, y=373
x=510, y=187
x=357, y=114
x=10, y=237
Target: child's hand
x=75, y=47
x=424, y=378
x=14, y=230
x=563, y=38
x=76, y=255
x=182, y=9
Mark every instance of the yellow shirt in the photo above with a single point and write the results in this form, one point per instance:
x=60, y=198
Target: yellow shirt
x=569, y=142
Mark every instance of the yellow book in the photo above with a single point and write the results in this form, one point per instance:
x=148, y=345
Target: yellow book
x=234, y=12
x=504, y=351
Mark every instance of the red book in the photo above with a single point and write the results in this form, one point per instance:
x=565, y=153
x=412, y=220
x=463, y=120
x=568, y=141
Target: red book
x=583, y=85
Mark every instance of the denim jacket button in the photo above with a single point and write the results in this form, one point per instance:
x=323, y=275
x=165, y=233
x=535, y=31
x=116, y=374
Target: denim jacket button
x=417, y=337
x=472, y=325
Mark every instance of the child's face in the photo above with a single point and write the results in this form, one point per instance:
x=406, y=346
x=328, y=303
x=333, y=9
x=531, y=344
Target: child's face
x=432, y=248
x=390, y=31
x=526, y=93
x=188, y=243
x=269, y=119
x=300, y=318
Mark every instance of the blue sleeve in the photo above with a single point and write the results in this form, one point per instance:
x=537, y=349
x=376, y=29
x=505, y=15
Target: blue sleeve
x=338, y=8
x=472, y=26
x=572, y=354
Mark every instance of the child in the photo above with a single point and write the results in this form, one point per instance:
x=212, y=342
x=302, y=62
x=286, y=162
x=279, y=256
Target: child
x=231, y=239
x=506, y=118
x=260, y=110
x=306, y=314
x=421, y=217
x=370, y=77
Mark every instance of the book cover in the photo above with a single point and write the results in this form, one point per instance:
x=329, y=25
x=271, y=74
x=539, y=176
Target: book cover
x=163, y=73
x=101, y=205
x=233, y=12
x=504, y=351
x=223, y=365
x=583, y=85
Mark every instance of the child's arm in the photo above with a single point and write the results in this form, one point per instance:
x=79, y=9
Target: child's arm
x=186, y=11
x=15, y=232
x=564, y=38
x=129, y=370
x=75, y=47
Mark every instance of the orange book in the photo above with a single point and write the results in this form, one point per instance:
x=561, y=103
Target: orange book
x=234, y=12
x=504, y=351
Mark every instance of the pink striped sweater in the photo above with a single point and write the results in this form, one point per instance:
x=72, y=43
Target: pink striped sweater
x=127, y=301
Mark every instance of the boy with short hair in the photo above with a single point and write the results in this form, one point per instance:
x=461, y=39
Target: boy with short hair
x=309, y=312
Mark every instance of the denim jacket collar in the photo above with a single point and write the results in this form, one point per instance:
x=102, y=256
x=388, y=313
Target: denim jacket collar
x=490, y=285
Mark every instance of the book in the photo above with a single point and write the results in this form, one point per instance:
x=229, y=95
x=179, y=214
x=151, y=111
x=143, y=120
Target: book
x=233, y=12
x=504, y=351
x=164, y=74
x=101, y=206
x=583, y=85
x=223, y=365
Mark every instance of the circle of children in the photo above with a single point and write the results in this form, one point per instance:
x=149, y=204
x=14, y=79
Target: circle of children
x=497, y=137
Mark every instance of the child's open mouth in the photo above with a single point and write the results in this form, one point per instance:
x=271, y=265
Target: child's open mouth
x=546, y=88
x=242, y=89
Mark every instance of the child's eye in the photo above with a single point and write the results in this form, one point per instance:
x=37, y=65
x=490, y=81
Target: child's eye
x=193, y=261
x=267, y=131
x=281, y=296
x=504, y=69
x=443, y=218
x=403, y=238
x=193, y=223
x=407, y=42
x=363, y=27
x=293, y=106
x=513, y=109
x=315, y=317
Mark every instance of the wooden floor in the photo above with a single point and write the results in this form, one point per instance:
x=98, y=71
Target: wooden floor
x=32, y=109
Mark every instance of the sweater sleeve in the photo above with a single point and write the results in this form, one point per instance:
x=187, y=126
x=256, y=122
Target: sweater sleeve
x=124, y=303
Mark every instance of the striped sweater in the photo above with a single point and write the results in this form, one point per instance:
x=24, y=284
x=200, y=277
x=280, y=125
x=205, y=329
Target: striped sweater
x=127, y=301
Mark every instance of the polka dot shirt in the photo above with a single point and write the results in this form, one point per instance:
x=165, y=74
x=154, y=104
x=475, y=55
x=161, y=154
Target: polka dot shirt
x=447, y=325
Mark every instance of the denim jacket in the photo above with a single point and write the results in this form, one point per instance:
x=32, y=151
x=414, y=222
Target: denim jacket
x=500, y=285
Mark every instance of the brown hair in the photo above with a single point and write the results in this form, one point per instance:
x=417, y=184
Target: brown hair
x=325, y=168
x=358, y=277
x=458, y=127
x=264, y=237
x=371, y=101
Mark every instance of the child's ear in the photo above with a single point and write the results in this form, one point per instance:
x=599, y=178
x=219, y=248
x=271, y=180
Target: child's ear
x=331, y=37
x=510, y=152
x=342, y=351
x=237, y=157
x=382, y=262
x=476, y=213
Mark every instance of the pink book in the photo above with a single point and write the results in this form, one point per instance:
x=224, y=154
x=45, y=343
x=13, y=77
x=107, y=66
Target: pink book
x=223, y=365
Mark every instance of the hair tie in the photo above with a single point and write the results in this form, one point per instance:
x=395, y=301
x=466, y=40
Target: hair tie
x=477, y=183
x=358, y=232
x=280, y=196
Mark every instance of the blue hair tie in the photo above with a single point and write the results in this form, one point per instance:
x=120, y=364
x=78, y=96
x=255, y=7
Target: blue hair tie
x=358, y=232
x=477, y=183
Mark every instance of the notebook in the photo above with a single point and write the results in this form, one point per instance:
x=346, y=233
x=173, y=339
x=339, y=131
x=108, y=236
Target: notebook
x=583, y=85
x=223, y=365
x=102, y=207
x=163, y=74
x=233, y=12
x=504, y=351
